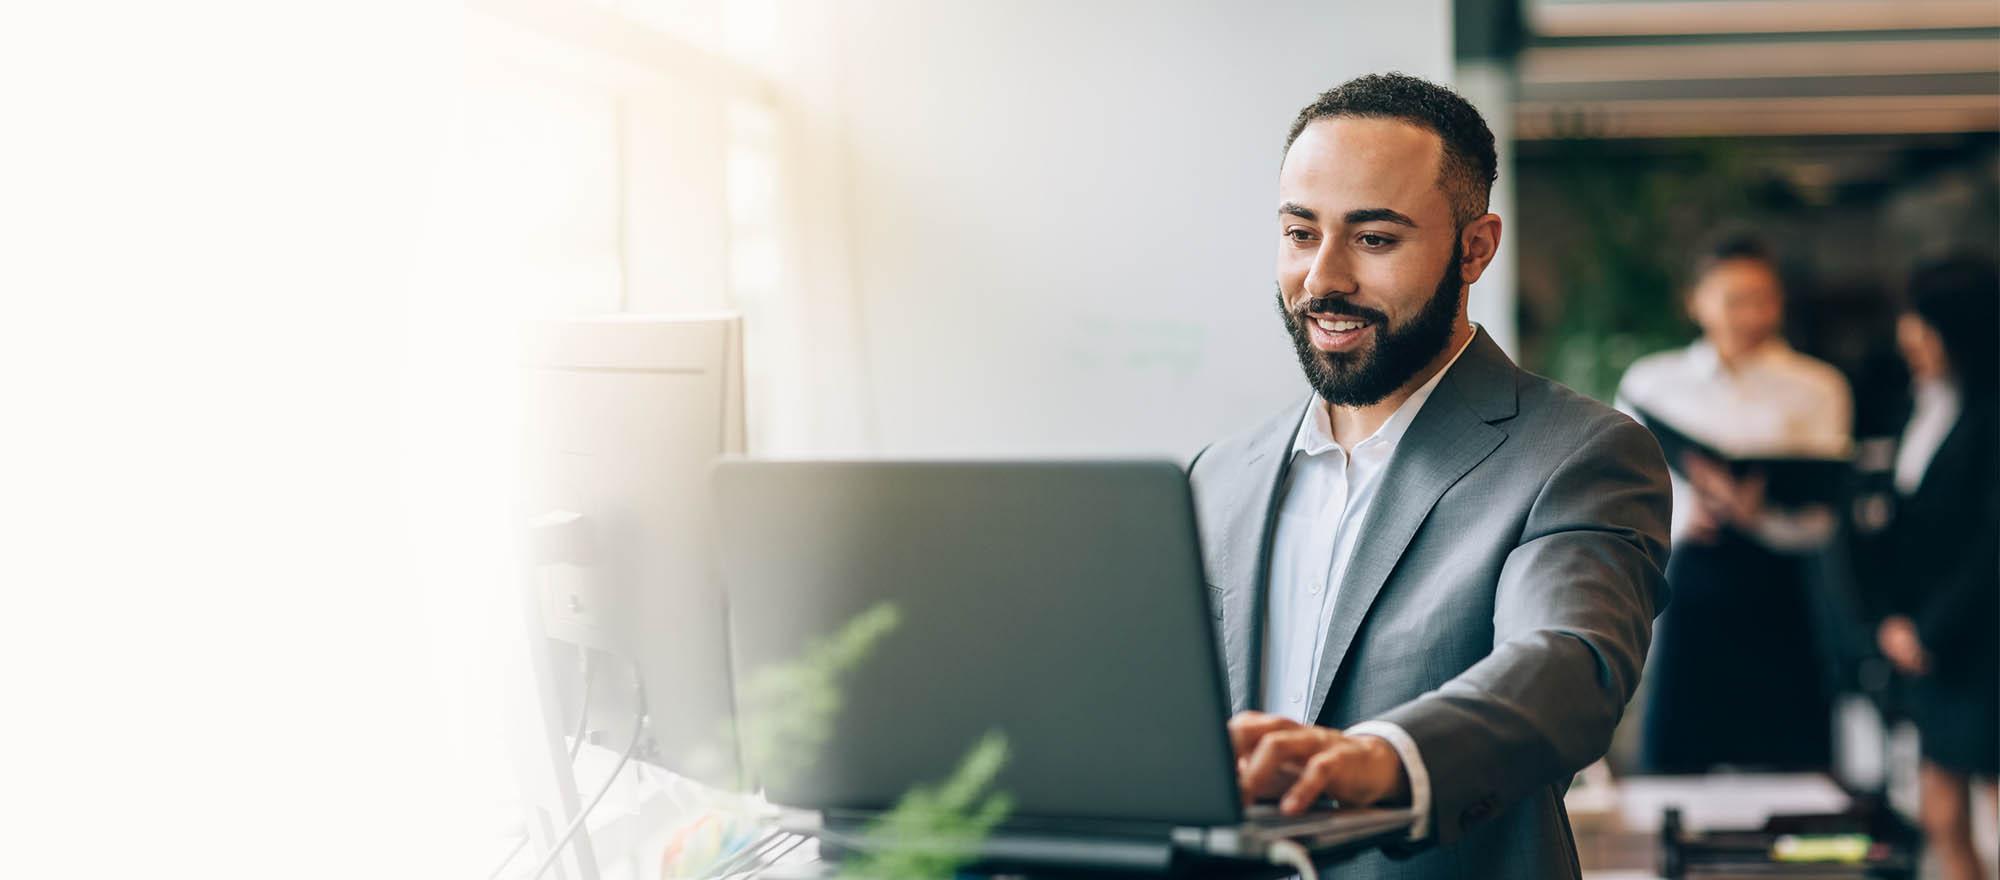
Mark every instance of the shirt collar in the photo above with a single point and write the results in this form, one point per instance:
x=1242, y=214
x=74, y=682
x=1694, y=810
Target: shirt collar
x=1702, y=357
x=1315, y=434
x=1934, y=391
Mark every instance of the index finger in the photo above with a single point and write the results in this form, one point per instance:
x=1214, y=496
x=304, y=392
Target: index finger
x=1249, y=727
x=1694, y=462
x=1753, y=484
x=1277, y=757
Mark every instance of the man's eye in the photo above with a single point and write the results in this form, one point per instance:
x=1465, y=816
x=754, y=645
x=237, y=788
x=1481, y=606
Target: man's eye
x=1298, y=234
x=1370, y=239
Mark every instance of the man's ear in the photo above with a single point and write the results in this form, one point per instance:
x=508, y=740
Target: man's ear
x=1480, y=241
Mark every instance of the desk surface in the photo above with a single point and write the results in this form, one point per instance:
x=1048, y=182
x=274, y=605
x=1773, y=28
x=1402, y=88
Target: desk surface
x=1618, y=826
x=1725, y=800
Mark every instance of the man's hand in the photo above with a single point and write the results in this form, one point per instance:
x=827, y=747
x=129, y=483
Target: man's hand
x=1898, y=640
x=1278, y=756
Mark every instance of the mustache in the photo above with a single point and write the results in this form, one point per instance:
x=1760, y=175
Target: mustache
x=1337, y=304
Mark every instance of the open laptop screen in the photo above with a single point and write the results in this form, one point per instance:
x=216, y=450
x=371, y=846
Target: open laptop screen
x=905, y=610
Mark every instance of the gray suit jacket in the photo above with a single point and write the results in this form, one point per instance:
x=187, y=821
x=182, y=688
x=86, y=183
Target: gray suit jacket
x=1498, y=606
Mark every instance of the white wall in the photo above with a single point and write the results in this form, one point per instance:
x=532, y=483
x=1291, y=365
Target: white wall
x=1061, y=214
x=1489, y=85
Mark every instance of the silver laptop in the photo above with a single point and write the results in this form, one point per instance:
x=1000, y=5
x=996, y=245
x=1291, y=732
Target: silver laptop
x=1058, y=604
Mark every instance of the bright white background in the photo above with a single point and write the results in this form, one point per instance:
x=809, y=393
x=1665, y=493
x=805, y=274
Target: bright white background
x=210, y=216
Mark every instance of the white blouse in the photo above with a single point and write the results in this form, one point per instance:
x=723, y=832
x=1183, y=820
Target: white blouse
x=1936, y=411
x=1777, y=402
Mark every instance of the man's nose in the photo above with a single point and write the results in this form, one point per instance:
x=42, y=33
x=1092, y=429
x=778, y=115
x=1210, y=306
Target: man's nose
x=1331, y=272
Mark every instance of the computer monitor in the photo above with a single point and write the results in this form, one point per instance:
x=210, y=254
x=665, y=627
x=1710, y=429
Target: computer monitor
x=625, y=415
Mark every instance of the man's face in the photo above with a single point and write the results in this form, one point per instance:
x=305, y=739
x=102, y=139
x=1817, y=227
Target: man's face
x=1368, y=256
x=1738, y=303
x=1922, y=347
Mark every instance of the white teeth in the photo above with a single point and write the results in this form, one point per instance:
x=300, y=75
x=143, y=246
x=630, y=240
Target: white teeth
x=1332, y=326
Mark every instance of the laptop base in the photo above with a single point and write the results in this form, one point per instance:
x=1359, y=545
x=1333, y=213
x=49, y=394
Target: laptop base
x=1056, y=849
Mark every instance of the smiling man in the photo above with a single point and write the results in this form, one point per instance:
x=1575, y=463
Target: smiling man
x=1437, y=574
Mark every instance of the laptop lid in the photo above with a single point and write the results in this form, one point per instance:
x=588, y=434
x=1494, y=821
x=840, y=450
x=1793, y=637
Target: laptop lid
x=1060, y=605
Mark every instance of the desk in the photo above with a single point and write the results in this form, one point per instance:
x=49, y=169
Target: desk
x=1618, y=828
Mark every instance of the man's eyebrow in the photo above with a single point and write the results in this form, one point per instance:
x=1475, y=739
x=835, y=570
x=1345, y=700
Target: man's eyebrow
x=1386, y=215
x=1300, y=211
x=1358, y=215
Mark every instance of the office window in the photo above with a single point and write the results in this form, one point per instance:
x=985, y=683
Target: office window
x=624, y=156
x=544, y=190
x=598, y=153
x=613, y=157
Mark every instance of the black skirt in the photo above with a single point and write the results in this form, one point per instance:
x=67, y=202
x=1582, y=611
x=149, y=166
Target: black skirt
x=1958, y=722
x=1734, y=678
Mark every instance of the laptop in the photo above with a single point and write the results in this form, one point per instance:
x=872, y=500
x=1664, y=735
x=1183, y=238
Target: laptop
x=1060, y=605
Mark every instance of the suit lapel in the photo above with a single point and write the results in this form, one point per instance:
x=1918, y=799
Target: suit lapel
x=1247, y=566
x=1448, y=438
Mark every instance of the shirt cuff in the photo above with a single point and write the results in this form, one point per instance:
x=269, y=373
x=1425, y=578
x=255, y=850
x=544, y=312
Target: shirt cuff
x=1413, y=765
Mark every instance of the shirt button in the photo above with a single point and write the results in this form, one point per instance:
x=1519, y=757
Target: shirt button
x=1314, y=589
x=1298, y=697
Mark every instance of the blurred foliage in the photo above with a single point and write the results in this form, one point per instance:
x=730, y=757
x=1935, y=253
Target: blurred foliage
x=1634, y=221
x=788, y=709
x=934, y=831
x=787, y=715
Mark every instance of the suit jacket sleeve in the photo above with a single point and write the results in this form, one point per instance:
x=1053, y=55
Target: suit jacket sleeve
x=1959, y=613
x=1573, y=616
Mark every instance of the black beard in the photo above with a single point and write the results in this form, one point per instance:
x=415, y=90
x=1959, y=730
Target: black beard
x=1365, y=378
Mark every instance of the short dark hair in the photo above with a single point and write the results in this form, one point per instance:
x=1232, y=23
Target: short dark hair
x=1470, y=164
x=1731, y=243
x=1960, y=298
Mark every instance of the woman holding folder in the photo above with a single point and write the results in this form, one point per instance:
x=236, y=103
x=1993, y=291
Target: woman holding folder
x=1734, y=678
x=1942, y=572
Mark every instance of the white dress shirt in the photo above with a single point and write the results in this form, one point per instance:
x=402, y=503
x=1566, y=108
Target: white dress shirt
x=1776, y=402
x=1327, y=497
x=1936, y=411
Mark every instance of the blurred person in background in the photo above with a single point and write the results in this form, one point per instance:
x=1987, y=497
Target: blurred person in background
x=1734, y=678
x=1943, y=546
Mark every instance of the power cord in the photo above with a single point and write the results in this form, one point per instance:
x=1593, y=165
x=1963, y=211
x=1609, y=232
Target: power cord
x=1291, y=855
x=748, y=855
x=575, y=746
x=582, y=709
x=631, y=748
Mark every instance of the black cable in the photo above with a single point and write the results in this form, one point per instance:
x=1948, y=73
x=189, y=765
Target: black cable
x=575, y=746
x=747, y=854
x=582, y=711
x=631, y=748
